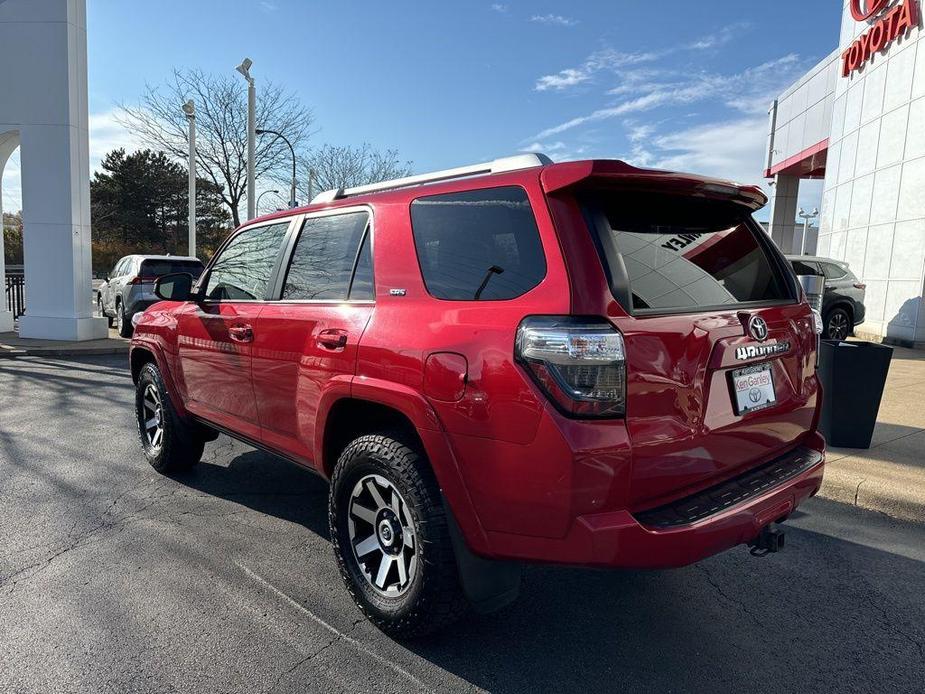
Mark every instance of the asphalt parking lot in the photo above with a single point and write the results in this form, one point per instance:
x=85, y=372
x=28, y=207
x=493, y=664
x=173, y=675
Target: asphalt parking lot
x=113, y=578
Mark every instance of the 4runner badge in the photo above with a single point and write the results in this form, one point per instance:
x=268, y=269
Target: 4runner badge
x=767, y=350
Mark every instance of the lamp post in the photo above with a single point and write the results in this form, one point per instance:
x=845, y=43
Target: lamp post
x=189, y=108
x=260, y=197
x=280, y=136
x=311, y=185
x=244, y=68
x=806, y=216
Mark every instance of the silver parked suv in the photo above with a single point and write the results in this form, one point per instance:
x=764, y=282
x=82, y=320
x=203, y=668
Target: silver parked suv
x=129, y=288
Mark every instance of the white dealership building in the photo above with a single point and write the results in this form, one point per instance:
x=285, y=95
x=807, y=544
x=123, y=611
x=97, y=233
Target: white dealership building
x=857, y=120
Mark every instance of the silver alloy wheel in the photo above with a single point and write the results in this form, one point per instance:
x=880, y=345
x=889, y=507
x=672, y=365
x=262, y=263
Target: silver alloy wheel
x=838, y=326
x=152, y=416
x=382, y=535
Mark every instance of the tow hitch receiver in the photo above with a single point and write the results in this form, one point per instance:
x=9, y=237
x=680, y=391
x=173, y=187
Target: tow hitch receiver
x=770, y=539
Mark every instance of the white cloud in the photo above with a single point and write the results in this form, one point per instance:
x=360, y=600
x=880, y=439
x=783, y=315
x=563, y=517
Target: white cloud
x=638, y=133
x=546, y=147
x=107, y=134
x=729, y=149
x=499, y=7
x=268, y=6
x=720, y=38
x=604, y=60
x=554, y=19
x=749, y=91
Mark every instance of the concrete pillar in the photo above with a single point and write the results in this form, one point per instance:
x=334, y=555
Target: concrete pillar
x=43, y=44
x=8, y=144
x=783, y=227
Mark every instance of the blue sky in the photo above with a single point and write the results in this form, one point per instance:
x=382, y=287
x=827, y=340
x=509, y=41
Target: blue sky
x=676, y=84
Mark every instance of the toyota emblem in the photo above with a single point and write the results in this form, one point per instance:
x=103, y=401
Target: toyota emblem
x=758, y=328
x=862, y=10
x=754, y=395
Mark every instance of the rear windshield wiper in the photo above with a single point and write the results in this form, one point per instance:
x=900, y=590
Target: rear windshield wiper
x=492, y=271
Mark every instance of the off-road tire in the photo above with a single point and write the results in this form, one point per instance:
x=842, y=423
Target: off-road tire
x=181, y=444
x=434, y=599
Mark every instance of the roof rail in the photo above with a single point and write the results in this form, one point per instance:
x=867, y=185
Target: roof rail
x=519, y=161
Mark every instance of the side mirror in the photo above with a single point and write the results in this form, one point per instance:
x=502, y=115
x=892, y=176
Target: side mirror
x=177, y=286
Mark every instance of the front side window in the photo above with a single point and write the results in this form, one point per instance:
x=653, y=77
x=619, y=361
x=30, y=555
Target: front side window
x=685, y=254
x=478, y=245
x=324, y=258
x=242, y=271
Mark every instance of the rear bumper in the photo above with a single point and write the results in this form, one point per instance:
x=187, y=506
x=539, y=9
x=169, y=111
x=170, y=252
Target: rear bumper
x=660, y=538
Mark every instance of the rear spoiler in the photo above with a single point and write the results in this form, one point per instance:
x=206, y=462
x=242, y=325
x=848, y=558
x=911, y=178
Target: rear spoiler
x=585, y=174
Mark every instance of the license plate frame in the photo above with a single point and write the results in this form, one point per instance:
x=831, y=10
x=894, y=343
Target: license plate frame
x=759, y=394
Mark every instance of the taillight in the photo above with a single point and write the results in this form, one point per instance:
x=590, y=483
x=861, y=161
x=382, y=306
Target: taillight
x=143, y=280
x=580, y=363
x=858, y=285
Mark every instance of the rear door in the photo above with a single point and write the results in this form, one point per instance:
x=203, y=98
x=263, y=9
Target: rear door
x=305, y=343
x=216, y=334
x=718, y=371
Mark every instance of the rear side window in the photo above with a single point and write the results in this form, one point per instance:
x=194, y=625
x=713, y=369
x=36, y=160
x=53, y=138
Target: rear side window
x=324, y=259
x=242, y=270
x=478, y=245
x=803, y=268
x=157, y=268
x=684, y=254
x=833, y=271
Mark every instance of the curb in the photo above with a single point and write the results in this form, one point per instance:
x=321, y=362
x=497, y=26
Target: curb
x=873, y=494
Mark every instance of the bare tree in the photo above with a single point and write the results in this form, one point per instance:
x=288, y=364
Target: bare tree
x=346, y=166
x=221, y=123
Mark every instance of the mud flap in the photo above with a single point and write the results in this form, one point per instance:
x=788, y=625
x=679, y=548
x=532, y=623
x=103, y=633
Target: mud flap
x=489, y=585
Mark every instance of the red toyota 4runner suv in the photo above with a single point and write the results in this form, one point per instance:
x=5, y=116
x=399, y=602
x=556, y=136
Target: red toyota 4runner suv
x=581, y=363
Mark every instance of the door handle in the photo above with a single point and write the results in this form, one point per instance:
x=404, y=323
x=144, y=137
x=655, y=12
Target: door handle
x=241, y=333
x=332, y=339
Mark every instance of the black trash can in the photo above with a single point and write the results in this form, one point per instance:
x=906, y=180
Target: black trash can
x=852, y=376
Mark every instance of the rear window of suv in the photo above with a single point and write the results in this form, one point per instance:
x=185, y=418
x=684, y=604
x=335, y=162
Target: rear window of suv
x=679, y=254
x=158, y=268
x=478, y=245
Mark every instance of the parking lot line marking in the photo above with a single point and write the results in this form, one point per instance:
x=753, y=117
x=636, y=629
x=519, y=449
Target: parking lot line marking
x=334, y=630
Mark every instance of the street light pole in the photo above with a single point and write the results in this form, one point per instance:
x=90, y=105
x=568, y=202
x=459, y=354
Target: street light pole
x=806, y=216
x=244, y=68
x=280, y=136
x=189, y=108
x=311, y=185
x=260, y=197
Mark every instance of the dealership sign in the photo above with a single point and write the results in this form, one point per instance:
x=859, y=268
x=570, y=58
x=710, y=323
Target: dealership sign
x=889, y=26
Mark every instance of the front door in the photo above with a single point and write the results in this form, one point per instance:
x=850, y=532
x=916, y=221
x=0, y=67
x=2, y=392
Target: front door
x=216, y=335
x=305, y=344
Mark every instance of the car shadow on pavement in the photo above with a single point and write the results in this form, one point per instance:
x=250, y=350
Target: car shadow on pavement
x=262, y=482
x=790, y=620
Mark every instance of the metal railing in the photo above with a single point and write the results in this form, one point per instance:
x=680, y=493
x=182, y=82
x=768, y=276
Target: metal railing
x=15, y=286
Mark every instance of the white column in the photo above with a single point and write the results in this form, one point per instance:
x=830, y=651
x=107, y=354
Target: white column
x=783, y=228
x=44, y=46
